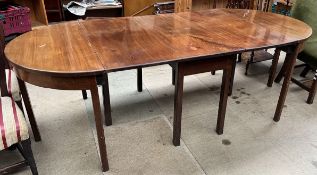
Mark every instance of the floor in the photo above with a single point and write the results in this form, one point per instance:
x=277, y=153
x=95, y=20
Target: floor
x=139, y=142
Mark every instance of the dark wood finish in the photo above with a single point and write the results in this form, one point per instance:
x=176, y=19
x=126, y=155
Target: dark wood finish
x=3, y=63
x=305, y=71
x=53, y=10
x=273, y=67
x=283, y=8
x=178, y=101
x=139, y=80
x=309, y=85
x=226, y=63
x=74, y=55
x=72, y=83
x=84, y=93
x=173, y=76
x=225, y=90
x=99, y=126
x=28, y=155
x=233, y=70
x=240, y=4
x=305, y=84
x=161, y=39
x=106, y=99
x=61, y=49
x=313, y=89
x=29, y=110
x=254, y=57
x=13, y=168
x=291, y=56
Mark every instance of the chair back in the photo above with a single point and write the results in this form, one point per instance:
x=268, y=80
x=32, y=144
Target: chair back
x=240, y=4
x=263, y=5
x=306, y=11
x=3, y=64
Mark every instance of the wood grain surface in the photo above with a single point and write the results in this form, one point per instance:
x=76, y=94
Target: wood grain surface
x=57, y=49
x=148, y=40
x=93, y=46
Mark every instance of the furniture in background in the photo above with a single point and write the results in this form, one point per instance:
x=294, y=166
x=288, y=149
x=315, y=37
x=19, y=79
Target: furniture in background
x=54, y=10
x=44, y=11
x=305, y=10
x=98, y=11
x=283, y=7
x=38, y=12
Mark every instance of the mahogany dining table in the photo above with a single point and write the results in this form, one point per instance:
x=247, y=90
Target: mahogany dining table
x=78, y=55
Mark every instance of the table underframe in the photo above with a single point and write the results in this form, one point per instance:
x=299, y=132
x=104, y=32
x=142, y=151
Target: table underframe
x=193, y=66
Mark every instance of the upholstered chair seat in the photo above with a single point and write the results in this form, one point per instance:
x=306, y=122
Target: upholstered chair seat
x=12, y=85
x=13, y=127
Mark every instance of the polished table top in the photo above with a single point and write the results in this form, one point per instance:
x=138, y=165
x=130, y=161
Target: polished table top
x=102, y=45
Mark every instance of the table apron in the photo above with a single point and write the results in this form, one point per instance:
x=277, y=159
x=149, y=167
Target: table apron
x=54, y=82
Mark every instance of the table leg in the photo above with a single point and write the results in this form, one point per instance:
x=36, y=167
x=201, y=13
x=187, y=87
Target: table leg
x=106, y=100
x=29, y=110
x=99, y=127
x=84, y=92
x=225, y=90
x=139, y=79
x=178, y=99
x=289, y=67
x=273, y=67
x=233, y=71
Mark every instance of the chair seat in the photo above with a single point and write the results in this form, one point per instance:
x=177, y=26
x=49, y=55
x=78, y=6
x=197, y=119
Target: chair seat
x=12, y=85
x=13, y=127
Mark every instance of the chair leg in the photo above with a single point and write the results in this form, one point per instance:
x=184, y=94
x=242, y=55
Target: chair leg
x=247, y=67
x=239, y=57
x=305, y=71
x=273, y=67
x=173, y=76
x=106, y=101
x=248, y=63
x=27, y=151
x=280, y=74
x=232, y=78
x=84, y=92
x=139, y=79
x=312, y=91
x=29, y=110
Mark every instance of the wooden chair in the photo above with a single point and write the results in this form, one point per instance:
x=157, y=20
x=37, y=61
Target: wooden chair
x=15, y=88
x=14, y=132
x=305, y=10
x=13, y=127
